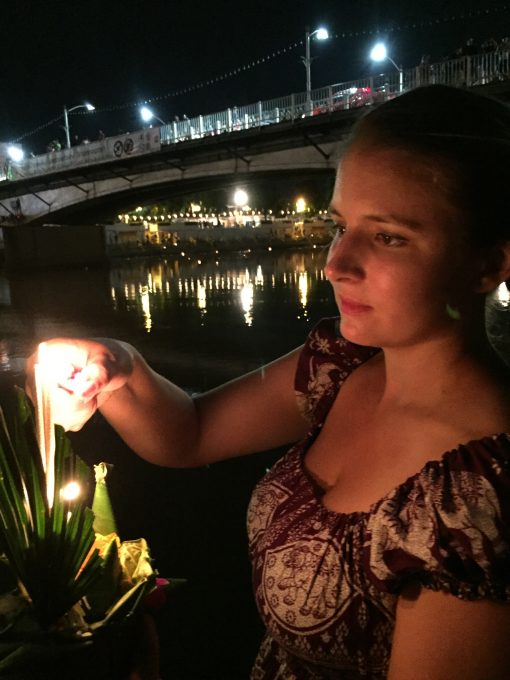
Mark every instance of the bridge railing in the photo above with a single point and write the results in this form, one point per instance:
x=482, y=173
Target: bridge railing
x=92, y=153
x=465, y=71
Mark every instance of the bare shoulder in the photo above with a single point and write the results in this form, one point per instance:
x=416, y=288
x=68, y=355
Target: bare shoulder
x=481, y=406
x=471, y=642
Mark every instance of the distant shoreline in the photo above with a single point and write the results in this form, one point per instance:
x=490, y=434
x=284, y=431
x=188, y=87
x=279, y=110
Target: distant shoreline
x=204, y=248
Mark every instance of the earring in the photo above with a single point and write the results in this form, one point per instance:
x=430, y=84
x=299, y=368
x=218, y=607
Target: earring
x=452, y=312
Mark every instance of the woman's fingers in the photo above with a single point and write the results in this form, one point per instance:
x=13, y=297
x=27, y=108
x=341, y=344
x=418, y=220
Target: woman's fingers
x=70, y=411
x=81, y=374
x=85, y=382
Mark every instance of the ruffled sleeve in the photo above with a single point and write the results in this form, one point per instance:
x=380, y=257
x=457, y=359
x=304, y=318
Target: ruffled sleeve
x=448, y=526
x=325, y=362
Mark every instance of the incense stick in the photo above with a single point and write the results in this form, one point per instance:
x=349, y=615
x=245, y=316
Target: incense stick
x=45, y=426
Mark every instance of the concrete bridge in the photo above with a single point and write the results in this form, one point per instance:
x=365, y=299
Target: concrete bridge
x=298, y=133
x=88, y=193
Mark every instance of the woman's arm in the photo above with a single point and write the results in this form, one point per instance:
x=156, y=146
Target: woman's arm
x=440, y=637
x=165, y=426
x=160, y=421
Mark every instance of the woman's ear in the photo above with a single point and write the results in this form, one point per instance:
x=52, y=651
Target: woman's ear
x=495, y=268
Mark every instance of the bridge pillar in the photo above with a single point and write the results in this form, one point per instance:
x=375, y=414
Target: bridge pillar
x=54, y=245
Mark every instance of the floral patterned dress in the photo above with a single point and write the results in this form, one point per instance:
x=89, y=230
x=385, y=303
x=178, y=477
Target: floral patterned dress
x=327, y=583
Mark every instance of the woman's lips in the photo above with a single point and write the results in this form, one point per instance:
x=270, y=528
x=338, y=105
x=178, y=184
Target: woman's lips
x=348, y=306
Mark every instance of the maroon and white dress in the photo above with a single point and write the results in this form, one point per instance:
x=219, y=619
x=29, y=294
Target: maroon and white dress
x=327, y=583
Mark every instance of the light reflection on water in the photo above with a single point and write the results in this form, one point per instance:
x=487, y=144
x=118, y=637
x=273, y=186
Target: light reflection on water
x=198, y=321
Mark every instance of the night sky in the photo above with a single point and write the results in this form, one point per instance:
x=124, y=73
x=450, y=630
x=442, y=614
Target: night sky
x=116, y=53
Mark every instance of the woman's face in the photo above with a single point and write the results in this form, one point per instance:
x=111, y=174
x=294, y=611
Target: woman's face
x=400, y=265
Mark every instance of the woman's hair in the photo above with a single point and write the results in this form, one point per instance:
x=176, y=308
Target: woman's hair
x=468, y=134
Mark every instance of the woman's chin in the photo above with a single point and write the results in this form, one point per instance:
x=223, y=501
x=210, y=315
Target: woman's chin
x=354, y=332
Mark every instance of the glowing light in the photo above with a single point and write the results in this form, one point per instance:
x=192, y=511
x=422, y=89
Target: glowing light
x=303, y=288
x=146, y=308
x=322, y=34
x=201, y=295
x=146, y=114
x=71, y=491
x=16, y=153
x=45, y=424
x=246, y=296
x=378, y=52
x=240, y=198
x=300, y=205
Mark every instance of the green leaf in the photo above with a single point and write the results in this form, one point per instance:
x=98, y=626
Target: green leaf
x=127, y=604
x=45, y=549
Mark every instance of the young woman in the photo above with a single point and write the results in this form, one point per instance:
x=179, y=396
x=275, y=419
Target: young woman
x=381, y=541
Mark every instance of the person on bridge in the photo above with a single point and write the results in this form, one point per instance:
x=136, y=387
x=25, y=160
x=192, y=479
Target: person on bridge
x=381, y=541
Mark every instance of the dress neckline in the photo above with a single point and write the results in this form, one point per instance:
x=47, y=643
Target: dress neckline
x=318, y=492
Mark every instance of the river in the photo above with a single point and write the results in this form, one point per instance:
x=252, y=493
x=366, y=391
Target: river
x=199, y=322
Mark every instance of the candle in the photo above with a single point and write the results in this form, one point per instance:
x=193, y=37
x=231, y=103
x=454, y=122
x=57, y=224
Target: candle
x=45, y=426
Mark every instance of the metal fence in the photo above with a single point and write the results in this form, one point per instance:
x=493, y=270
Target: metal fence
x=467, y=71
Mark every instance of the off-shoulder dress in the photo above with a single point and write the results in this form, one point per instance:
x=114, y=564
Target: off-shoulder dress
x=327, y=583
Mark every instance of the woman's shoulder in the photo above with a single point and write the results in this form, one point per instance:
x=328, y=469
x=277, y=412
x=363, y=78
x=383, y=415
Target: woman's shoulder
x=325, y=339
x=326, y=346
x=325, y=362
x=448, y=526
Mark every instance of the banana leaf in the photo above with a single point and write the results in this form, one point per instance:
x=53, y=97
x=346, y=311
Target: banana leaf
x=68, y=595
x=45, y=547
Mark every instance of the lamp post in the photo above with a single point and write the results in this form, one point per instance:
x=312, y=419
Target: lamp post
x=147, y=115
x=89, y=107
x=15, y=153
x=379, y=53
x=320, y=34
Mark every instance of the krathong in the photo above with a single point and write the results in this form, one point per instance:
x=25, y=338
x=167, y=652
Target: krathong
x=66, y=578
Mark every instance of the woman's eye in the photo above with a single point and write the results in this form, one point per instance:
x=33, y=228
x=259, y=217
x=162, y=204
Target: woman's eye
x=391, y=240
x=338, y=230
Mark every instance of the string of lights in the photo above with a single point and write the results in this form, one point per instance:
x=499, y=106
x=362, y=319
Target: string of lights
x=38, y=129
x=232, y=73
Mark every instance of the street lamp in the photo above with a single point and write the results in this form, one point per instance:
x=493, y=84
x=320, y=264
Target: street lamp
x=89, y=107
x=240, y=201
x=320, y=34
x=147, y=115
x=379, y=53
x=240, y=198
x=15, y=153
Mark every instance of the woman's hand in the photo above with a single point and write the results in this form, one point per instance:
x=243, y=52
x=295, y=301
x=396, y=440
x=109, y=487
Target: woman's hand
x=81, y=375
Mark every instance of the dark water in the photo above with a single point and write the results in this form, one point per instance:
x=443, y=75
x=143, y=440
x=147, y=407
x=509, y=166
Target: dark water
x=199, y=323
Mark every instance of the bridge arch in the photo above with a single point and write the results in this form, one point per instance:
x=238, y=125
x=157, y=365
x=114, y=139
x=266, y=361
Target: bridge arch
x=93, y=194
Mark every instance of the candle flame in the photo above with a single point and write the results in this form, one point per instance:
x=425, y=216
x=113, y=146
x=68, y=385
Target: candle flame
x=71, y=491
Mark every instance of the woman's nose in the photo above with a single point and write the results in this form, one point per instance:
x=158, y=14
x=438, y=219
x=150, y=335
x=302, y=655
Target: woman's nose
x=346, y=258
